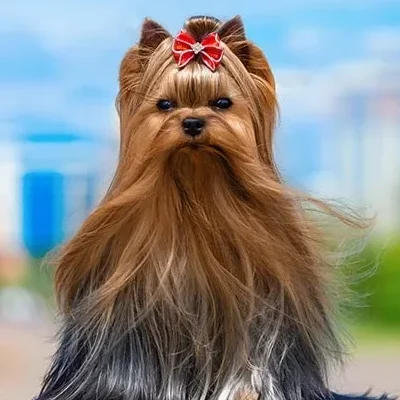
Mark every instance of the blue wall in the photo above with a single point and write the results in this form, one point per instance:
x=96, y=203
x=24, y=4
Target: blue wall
x=42, y=199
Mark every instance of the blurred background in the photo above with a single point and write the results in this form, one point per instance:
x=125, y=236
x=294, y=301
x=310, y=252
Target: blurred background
x=337, y=65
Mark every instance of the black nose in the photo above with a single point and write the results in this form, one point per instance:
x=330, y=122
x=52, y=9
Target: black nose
x=193, y=126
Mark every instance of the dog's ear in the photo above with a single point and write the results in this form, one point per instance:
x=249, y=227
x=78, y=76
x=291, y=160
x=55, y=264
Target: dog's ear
x=232, y=29
x=137, y=57
x=152, y=35
x=233, y=34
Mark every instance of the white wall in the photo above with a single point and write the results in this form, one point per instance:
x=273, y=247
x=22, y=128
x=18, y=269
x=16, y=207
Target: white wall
x=368, y=158
x=10, y=198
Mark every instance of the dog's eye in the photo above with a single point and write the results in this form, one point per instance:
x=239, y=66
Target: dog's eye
x=223, y=103
x=165, y=105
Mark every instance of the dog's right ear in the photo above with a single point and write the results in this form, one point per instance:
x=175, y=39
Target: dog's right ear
x=136, y=58
x=152, y=35
x=232, y=32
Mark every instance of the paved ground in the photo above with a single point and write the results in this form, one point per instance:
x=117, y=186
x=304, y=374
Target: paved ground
x=25, y=351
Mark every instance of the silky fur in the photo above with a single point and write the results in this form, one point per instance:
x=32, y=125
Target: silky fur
x=199, y=275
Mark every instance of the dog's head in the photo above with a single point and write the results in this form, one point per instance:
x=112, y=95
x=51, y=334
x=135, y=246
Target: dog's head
x=178, y=118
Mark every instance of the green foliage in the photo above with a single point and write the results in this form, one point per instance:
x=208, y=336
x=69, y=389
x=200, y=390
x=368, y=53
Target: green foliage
x=381, y=289
x=39, y=279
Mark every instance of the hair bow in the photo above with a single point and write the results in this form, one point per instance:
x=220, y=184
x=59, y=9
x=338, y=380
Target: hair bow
x=185, y=49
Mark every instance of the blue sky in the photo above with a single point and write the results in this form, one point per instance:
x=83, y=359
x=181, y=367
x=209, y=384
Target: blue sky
x=60, y=58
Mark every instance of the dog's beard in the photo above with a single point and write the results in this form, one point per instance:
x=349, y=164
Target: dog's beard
x=205, y=292
x=202, y=173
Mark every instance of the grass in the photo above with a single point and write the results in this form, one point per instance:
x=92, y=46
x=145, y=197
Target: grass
x=370, y=336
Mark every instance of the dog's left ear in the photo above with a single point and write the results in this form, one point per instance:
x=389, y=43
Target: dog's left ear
x=152, y=35
x=232, y=33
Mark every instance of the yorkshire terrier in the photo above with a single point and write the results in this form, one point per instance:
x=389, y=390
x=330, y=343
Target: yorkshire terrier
x=200, y=275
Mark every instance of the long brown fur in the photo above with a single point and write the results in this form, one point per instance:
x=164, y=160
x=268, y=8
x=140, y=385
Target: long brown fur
x=202, y=243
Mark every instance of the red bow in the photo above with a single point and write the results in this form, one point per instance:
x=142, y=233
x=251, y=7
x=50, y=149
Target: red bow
x=185, y=49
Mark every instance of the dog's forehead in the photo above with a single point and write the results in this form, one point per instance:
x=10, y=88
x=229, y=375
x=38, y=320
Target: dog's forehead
x=196, y=84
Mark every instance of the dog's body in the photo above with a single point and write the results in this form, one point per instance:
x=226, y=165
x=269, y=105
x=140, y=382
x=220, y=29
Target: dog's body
x=199, y=276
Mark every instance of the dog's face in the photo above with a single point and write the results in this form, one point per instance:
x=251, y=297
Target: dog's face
x=194, y=109
x=168, y=113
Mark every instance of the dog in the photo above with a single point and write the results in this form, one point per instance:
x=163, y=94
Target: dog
x=200, y=274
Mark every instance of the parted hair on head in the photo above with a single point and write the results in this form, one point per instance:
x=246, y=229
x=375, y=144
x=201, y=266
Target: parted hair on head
x=201, y=274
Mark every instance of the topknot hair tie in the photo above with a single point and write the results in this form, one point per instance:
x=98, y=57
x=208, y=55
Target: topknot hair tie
x=185, y=49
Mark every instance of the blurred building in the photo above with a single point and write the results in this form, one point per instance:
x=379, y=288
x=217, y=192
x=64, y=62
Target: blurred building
x=51, y=181
x=298, y=149
x=363, y=148
x=10, y=199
